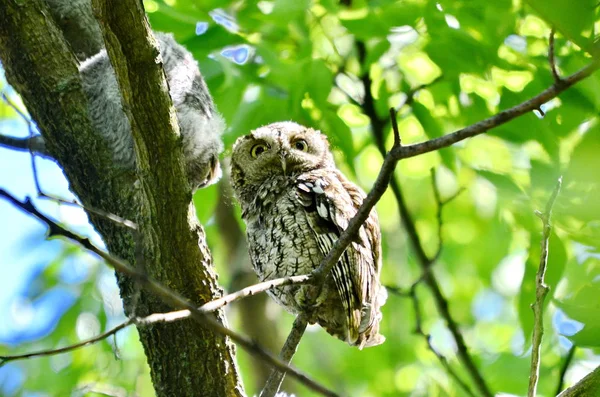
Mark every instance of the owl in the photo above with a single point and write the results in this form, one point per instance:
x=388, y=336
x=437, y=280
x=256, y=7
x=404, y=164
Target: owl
x=200, y=123
x=295, y=204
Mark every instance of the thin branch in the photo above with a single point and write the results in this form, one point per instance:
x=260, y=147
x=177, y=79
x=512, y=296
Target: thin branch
x=397, y=138
x=167, y=295
x=564, y=368
x=87, y=342
x=552, y=59
x=541, y=290
x=503, y=117
x=35, y=144
x=289, y=349
x=167, y=317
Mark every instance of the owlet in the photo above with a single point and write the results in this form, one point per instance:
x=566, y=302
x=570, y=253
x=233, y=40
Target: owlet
x=200, y=124
x=295, y=203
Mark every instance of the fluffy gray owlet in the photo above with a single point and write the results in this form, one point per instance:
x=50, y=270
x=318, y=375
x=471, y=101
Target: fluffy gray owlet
x=295, y=203
x=200, y=124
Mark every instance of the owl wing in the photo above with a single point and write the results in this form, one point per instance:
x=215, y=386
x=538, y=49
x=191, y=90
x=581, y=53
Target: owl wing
x=331, y=201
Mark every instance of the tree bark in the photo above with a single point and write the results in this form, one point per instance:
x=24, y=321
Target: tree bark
x=588, y=386
x=185, y=358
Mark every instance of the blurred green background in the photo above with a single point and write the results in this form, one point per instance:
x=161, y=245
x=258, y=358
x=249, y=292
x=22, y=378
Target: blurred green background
x=339, y=67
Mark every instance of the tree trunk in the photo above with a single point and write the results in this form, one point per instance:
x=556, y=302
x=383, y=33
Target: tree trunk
x=185, y=358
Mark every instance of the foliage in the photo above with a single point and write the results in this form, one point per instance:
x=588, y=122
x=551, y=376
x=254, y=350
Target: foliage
x=445, y=65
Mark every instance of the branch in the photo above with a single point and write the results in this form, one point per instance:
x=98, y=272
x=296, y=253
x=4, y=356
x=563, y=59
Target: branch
x=552, y=59
x=503, y=117
x=287, y=353
x=165, y=294
x=541, y=290
x=166, y=317
x=33, y=144
x=424, y=261
x=588, y=386
x=52, y=352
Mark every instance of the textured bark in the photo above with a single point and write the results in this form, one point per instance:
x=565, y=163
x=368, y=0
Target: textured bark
x=185, y=358
x=586, y=387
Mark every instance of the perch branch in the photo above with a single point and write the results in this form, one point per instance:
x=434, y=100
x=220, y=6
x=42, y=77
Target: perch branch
x=541, y=290
x=588, y=386
x=168, y=296
x=287, y=353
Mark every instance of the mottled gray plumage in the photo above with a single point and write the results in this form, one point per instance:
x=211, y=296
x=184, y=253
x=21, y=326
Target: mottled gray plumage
x=295, y=203
x=200, y=124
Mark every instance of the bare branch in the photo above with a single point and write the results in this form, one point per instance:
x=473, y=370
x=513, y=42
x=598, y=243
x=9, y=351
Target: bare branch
x=34, y=144
x=503, y=117
x=552, y=59
x=168, y=296
x=87, y=342
x=564, y=368
x=393, y=117
x=167, y=317
x=287, y=353
x=541, y=290
x=588, y=386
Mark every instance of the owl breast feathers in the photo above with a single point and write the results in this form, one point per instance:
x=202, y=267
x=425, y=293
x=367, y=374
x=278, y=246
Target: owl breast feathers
x=296, y=203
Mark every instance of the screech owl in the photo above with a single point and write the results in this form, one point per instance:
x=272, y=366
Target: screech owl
x=295, y=204
x=200, y=124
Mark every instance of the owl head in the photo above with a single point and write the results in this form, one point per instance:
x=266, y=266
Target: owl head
x=278, y=149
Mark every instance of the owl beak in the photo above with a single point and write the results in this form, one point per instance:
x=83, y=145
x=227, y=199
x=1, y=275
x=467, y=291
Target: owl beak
x=283, y=158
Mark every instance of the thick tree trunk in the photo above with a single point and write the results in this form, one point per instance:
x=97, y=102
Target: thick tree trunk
x=185, y=358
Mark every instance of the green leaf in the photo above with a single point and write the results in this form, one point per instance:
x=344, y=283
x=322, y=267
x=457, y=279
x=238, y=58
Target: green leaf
x=581, y=303
x=205, y=201
x=574, y=19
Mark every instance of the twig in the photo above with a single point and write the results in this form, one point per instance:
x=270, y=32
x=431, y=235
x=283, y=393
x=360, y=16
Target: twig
x=564, y=368
x=289, y=349
x=541, y=290
x=393, y=117
x=503, y=117
x=167, y=295
x=87, y=342
x=167, y=317
x=35, y=144
x=552, y=59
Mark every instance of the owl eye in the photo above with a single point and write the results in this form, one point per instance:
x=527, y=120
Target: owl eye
x=301, y=145
x=258, y=149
